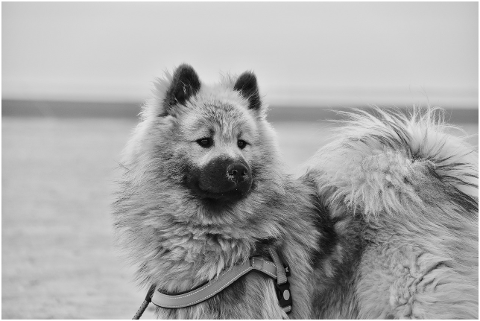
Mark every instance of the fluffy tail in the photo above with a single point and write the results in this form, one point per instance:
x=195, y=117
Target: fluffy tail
x=381, y=163
x=416, y=188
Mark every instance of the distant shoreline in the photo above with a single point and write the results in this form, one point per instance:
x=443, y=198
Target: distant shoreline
x=130, y=110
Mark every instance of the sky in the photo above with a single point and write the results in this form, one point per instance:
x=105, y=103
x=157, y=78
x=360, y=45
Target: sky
x=317, y=53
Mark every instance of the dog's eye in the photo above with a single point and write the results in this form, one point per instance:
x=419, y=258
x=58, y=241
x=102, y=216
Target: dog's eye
x=241, y=144
x=205, y=142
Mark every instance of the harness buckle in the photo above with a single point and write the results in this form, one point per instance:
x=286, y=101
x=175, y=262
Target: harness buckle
x=284, y=296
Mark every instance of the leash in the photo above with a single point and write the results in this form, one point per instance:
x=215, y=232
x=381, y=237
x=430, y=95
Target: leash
x=276, y=270
x=145, y=303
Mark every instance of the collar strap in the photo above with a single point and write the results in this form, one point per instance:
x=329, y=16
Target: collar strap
x=274, y=269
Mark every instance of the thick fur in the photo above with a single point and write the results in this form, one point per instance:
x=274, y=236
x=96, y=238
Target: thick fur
x=382, y=224
x=415, y=189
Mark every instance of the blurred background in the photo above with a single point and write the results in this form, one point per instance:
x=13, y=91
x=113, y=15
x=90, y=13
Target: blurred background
x=75, y=74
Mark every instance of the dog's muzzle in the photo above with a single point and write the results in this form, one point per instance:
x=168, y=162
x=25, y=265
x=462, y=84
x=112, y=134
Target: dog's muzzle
x=221, y=179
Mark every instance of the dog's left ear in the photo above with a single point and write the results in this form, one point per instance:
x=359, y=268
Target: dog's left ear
x=247, y=86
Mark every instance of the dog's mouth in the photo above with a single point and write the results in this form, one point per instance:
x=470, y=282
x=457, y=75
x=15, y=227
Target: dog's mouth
x=222, y=197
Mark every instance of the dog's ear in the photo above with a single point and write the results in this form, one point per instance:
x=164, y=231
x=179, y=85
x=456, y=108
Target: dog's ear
x=185, y=84
x=247, y=86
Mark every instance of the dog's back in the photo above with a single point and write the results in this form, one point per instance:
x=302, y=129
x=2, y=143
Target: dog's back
x=411, y=191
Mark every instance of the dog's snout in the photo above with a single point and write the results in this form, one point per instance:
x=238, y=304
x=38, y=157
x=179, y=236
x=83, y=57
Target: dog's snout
x=222, y=178
x=237, y=172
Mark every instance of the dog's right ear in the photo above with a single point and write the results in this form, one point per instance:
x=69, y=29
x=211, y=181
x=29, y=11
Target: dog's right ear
x=185, y=84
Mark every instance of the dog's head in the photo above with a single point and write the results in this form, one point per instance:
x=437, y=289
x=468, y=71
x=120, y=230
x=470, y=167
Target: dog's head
x=213, y=141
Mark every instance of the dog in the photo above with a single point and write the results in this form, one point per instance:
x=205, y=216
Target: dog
x=382, y=222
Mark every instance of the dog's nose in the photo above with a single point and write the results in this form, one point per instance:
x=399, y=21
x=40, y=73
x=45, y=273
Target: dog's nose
x=237, y=172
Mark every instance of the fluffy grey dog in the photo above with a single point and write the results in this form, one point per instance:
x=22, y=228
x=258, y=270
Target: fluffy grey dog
x=383, y=223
